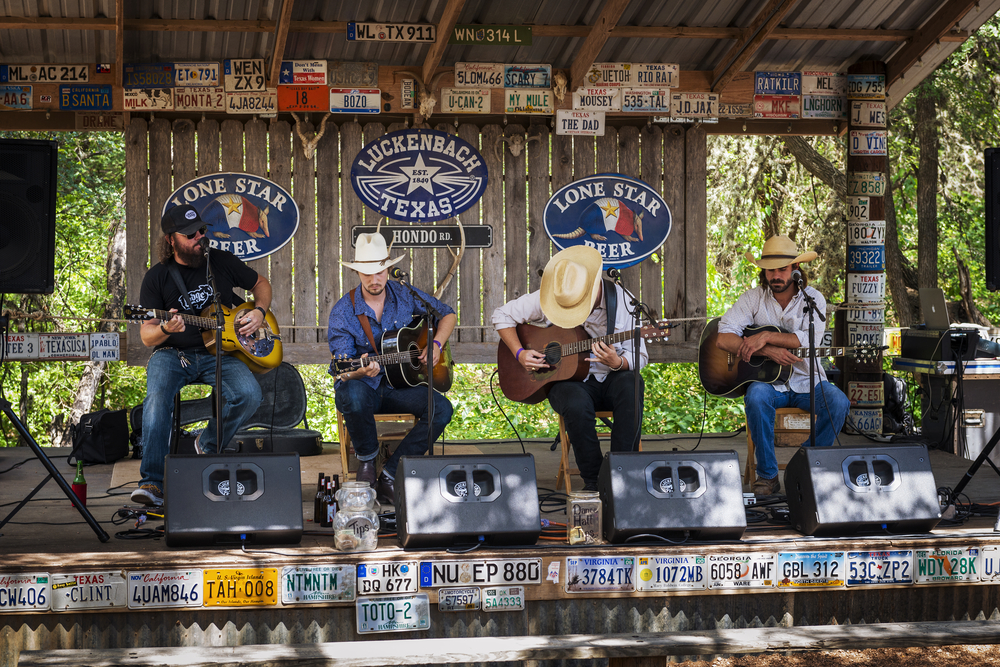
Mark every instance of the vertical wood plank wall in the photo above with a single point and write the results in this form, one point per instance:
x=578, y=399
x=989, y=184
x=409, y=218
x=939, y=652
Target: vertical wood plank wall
x=307, y=276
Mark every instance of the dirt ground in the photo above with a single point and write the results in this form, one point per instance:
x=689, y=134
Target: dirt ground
x=945, y=656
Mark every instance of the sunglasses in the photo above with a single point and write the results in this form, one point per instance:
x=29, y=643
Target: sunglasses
x=201, y=230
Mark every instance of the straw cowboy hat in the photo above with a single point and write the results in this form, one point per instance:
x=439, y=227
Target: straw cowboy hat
x=570, y=284
x=371, y=255
x=780, y=251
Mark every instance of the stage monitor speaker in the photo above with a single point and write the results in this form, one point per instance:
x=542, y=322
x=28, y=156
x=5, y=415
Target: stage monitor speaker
x=672, y=495
x=845, y=490
x=434, y=507
x=229, y=500
x=28, y=223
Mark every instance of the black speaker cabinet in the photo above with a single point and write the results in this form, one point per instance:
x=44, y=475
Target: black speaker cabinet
x=228, y=500
x=434, y=506
x=672, y=493
x=28, y=223
x=844, y=490
x=992, y=211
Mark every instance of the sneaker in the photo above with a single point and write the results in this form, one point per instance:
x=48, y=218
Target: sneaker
x=589, y=486
x=148, y=494
x=766, y=487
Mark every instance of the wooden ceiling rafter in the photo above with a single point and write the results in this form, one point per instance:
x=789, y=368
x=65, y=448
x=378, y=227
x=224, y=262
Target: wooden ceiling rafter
x=280, y=37
x=758, y=32
x=597, y=36
x=449, y=17
x=934, y=30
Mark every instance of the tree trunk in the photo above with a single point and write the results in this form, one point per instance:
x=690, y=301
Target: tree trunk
x=894, y=258
x=927, y=179
x=972, y=313
x=817, y=165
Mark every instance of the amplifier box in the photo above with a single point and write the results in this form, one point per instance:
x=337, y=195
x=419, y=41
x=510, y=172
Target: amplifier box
x=939, y=344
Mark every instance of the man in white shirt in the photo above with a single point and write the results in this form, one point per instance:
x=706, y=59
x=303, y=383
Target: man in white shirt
x=779, y=301
x=571, y=295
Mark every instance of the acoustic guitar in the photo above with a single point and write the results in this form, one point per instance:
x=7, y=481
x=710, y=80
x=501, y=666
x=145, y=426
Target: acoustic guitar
x=566, y=353
x=725, y=374
x=400, y=352
x=260, y=350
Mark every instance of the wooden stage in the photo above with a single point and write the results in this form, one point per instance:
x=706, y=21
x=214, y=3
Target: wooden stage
x=48, y=538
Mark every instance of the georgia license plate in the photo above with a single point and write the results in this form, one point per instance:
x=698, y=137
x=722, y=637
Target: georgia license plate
x=942, y=565
x=748, y=570
x=318, y=583
x=603, y=573
x=393, y=613
x=241, y=587
x=377, y=578
x=165, y=588
x=866, y=568
x=670, y=573
x=458, y=599
x=24, y=591
x=868, y=232
x=503, y=598
x=89, y=590
x=817, y=569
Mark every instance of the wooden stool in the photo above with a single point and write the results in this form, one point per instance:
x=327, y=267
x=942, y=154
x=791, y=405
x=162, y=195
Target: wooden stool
x=564, y=470
x=787, y=421
x=406, y=420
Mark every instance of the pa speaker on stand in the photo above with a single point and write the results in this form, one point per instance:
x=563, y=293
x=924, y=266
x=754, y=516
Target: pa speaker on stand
x=28, y=223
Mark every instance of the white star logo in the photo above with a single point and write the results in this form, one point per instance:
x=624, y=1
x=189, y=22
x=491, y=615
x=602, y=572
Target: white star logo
x=420, y=175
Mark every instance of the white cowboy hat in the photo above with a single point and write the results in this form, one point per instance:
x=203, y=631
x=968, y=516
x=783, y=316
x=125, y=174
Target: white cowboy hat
x=570, y=284
x=371, y=255
x=780, y=251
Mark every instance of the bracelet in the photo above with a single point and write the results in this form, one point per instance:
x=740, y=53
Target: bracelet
x=518, y=355
x=164, y=330
x=620, y=366
x=262, y=311
x=438, y=343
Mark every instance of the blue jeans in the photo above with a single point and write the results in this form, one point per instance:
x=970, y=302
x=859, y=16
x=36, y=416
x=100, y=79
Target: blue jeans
x=358, y=403
x=762, y=401
x=165, y=377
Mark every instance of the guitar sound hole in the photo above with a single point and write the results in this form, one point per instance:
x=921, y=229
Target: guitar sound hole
x=414, y=353
x=553, y=354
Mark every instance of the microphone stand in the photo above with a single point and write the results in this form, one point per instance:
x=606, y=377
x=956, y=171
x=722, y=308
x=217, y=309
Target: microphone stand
x=638, y=308
x=432, y=312
x=219, y=323
x=811, y=309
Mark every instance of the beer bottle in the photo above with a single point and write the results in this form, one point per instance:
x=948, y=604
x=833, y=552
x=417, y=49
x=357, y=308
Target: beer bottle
x=317, y=501
x=331, y=509
x=80, y=483
x=325, y=509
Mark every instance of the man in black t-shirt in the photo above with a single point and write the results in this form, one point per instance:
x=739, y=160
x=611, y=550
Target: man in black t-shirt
x=180, y=357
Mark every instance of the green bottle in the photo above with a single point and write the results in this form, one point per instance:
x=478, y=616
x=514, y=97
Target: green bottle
x=80, y=484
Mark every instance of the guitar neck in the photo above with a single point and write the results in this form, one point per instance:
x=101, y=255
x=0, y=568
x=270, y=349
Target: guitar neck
x=585, y=345
x=387, y=359
x=196, y=320
x=803, y=352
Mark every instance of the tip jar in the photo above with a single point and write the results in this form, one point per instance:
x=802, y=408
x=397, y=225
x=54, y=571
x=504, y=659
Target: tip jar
x=356, y=523
x=583, y=518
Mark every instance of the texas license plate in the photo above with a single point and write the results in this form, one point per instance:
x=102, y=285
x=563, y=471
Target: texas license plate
x=458, y=599
x=604, y=573
x=866, y=568
x=814, y=569
x=503, y=598
x=866, y=287
x=89, y=590
x=389, y=577
x=670, y=573
x=393, y=613
x=941, y=565
x=241, y=587
x=748, y=570
x=165, y=588
x=24, y=591
x=317, y=583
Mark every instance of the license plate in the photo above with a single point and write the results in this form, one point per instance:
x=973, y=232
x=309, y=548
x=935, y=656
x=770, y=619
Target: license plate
x=868, y=142
x=458, y=599
x=200, y=99
x=527, y=76
x=744, y=110
x=580, y=123
x=597, y=99
x=864, y=421
x=866, y=183
x=864, y=334
x=165, y=588
x=528, y=100
x=393, y=613
x=355, y=100
x=989, y=564
x=824, y=106
x=89, y=590
x=748, y=570
x=263, y=103
x=503, y=598
x=776, y=106
x=868, y=114
x=656, y=75
x=824, y=83
x=858, y=208
x=244, y=75
x=866, y=258
x=694, y=105
x=866, y=86
x=303, y=72
x=434, y=574
x=815, y=569
x=466, y=100
x=873, y=315
x=318, y=583
x=865, y=568
x=85, y=98
x=941, y=565
x=785, y=84
x=869, y=232
x=604, y=573
x=196, y=74
x=24, y=591
x=391, y=32
x=241, y=587
x=609, y=74
x=63, y=346
x=15, y=97
x=303, y=98
x=149, y=75
x=866, y=287
x=44, y=74
x=354, y=75
x=479, y=75
x=670, y=573
x=149, y=99
x=389, y=577
x=646, y=100
x=22, y=346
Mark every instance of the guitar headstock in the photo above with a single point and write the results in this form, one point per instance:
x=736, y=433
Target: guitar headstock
x=868, y=353
x=137, y=313
x=343, y=363
x=658, y=332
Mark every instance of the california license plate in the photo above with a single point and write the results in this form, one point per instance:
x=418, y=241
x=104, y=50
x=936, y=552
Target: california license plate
x=479, y=75
x=865, y=568
x=858, y=208
x=942, y=565
x=388, y=577
x=241, y=587
x=670, y=573
x=393, y=613
x=317, y=583
x=458, y=599
x=28, y=591
x=603, y=573
x=503, y=598
x=747, y=570
x=165, y=588
x=814, y=569
x=89, y=590
x=498, y=572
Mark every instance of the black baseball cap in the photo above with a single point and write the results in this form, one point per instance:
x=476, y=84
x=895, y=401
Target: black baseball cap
x=182, y=219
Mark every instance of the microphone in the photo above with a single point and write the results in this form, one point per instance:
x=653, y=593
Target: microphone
x=204, y=245
x=613, y=274
x=397, y=273
x=797, y=278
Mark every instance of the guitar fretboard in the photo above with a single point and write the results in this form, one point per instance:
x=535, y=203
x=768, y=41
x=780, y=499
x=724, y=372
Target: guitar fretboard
x=585, y=345
x=196, y=320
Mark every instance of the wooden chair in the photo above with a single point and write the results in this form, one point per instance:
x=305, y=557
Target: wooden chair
x=787, y=426
x=399, y=425
x=564, y=470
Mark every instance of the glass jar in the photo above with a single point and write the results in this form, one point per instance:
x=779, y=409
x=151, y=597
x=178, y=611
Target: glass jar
x=583, y=518
x=356, y=523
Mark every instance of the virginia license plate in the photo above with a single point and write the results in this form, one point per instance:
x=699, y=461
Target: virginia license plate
x=388, y=577
x=89, y=590
x=458, y=599
x=749, y=570
x=941, y=565
x=24, y=591
x=196, y=74
x=165, y=588
x=868, y=232
x=499, y=572
x=393, y=613
x=241, y=587
x=604, y=573
x=503, y=598
x=355, y=100
x=318, y=583
x=865, y=568
x=670, y=573
x=815, y=569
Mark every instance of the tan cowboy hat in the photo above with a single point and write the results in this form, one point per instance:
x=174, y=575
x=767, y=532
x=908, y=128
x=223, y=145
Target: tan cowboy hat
x=570, y=284
x=371, y=255
x=780, y=251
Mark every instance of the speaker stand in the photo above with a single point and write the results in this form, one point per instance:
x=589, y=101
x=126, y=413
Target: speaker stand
x=53, y=474
x=984, y=457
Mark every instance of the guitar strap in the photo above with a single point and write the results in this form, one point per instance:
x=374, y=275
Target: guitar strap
x=611, y=304
x=176, y=275
x=366, y=325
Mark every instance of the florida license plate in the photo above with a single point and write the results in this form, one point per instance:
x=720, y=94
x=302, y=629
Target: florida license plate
x=819, y=569
x=942, y=565
x=393, y=613
x=670, y=573
x=458, y=599
x=241, y=587
x=317, y=583
x=503, y=598
x=389, y=577
x=603, y=573
x=866, y=568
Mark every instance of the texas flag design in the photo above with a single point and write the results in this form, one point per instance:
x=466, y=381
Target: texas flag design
x=604, y=216
x=236, y=212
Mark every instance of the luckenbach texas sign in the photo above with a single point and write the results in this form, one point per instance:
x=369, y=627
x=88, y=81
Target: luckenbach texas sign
x=419, y=175
x=624, y=218
x=247, y=215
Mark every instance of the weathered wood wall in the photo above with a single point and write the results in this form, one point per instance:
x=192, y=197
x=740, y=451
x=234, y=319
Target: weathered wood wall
x=306, y=275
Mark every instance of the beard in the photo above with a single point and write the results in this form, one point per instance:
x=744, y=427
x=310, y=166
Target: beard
x=374, y=290
x=193, y=258
x=779, y=286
